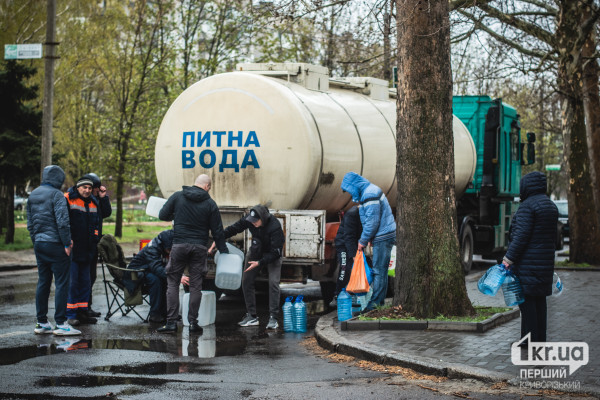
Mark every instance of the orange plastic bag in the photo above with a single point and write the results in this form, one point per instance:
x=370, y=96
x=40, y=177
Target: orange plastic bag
x=358, y=279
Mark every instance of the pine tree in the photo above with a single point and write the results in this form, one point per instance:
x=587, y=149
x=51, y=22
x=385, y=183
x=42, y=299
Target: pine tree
x=20, y=137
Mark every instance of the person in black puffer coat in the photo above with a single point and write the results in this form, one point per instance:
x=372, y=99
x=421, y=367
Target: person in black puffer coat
x=530, y=254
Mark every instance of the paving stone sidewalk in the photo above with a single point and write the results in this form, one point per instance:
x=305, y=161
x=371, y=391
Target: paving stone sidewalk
x=573, y=316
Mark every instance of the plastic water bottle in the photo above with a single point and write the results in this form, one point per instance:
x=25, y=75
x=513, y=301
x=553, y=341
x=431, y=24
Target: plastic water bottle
x=513, y=293
x=288, y=315
x=299, y=315
x=344, y=306
x=355, y=304
x=557, y=286
x=492, y=280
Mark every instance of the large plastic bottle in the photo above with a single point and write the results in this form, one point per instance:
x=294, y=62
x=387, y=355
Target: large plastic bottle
x=344, y=306
x=299, y=315
x=511, y=288
x=492, y=280
x=288, y=315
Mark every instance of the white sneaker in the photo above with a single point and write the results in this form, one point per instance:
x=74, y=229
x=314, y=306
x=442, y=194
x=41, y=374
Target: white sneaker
x=249, y=320
x=66, y=330
x=42, y=329
x=272, y=323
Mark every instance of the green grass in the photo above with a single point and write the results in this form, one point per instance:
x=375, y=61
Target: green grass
x=481, y=314
x=570, y=264
x=22, y=240
x=132, y=233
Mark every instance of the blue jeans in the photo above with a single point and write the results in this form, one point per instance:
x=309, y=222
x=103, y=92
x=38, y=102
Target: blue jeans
x=157, y=289
x=51, y=260
x=381, y=261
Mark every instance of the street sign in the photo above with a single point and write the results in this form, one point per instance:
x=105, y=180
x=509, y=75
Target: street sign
x=22, y=51
x=553, y=167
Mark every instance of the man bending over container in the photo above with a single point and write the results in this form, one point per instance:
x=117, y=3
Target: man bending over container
x=379, y=229
x=193, y=213
x=265, y=252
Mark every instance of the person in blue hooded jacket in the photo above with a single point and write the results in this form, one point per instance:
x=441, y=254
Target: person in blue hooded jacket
x=530, y=253
x=379, y=229
x=152, y=261
x=49, y=227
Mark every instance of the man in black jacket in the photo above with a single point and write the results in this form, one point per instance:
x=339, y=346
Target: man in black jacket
x=530, y=253
x=104, y=211
x=266, y=251
x=151, y=260
x=346, y=245
x=193, y=213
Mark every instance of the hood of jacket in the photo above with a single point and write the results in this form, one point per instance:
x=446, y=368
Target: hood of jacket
x=355, y=184
x=263, y=213
x=533, y=183
x=53, y=175
x=194, y=193
x=164, y=240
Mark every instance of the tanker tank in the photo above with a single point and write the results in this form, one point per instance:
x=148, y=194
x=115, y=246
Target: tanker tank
x=285, y=135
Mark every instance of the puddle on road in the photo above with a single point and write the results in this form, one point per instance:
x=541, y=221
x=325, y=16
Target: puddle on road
x=159, y=368
x=231, y=341
x=94, y=381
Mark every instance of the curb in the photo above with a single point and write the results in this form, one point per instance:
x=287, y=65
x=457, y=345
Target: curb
x=16, y=267
x=328, y=338
x=480, y=327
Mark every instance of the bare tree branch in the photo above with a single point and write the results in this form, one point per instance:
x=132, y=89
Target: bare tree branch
x=479, y=25
x=517, y=23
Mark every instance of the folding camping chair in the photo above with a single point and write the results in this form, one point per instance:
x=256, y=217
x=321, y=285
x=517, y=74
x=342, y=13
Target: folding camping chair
x=117, y=296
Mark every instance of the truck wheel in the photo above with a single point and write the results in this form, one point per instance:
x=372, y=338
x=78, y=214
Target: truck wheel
x=327, y=291
x=466, y=249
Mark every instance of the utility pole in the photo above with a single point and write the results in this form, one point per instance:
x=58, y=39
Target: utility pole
x=48, y=85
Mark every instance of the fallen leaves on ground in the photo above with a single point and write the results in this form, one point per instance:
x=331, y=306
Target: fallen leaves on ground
x=312, y=345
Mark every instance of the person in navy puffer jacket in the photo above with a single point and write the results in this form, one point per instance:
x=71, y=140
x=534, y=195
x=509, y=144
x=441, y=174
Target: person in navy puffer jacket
x=379, y=229
x=48, y=225
x=530, y=254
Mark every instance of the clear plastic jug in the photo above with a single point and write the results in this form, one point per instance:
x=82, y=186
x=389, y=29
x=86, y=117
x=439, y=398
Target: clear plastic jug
x=492, y=280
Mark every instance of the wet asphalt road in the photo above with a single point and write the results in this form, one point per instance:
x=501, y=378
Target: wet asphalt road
x=126, y=359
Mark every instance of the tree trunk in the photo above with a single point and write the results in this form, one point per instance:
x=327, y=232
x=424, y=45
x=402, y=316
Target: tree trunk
x=10, y=214
x=591, y=106
x=430, y=278
x=584, y=232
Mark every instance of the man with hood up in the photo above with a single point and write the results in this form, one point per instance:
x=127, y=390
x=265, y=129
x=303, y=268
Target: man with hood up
x=379, y=229
x=193, y=213
x=530, y=253
x=265, y=252
x=151, y=260
x=48, y=226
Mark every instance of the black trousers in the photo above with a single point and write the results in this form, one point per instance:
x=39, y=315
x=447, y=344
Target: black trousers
x=533, y=317
x=345, y=263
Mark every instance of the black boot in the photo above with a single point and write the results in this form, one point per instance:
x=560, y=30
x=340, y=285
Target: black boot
x=195, y=328
x=92, y=313
x=170, y=327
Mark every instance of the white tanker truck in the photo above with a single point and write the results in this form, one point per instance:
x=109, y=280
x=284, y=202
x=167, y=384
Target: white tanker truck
x=284, y=135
